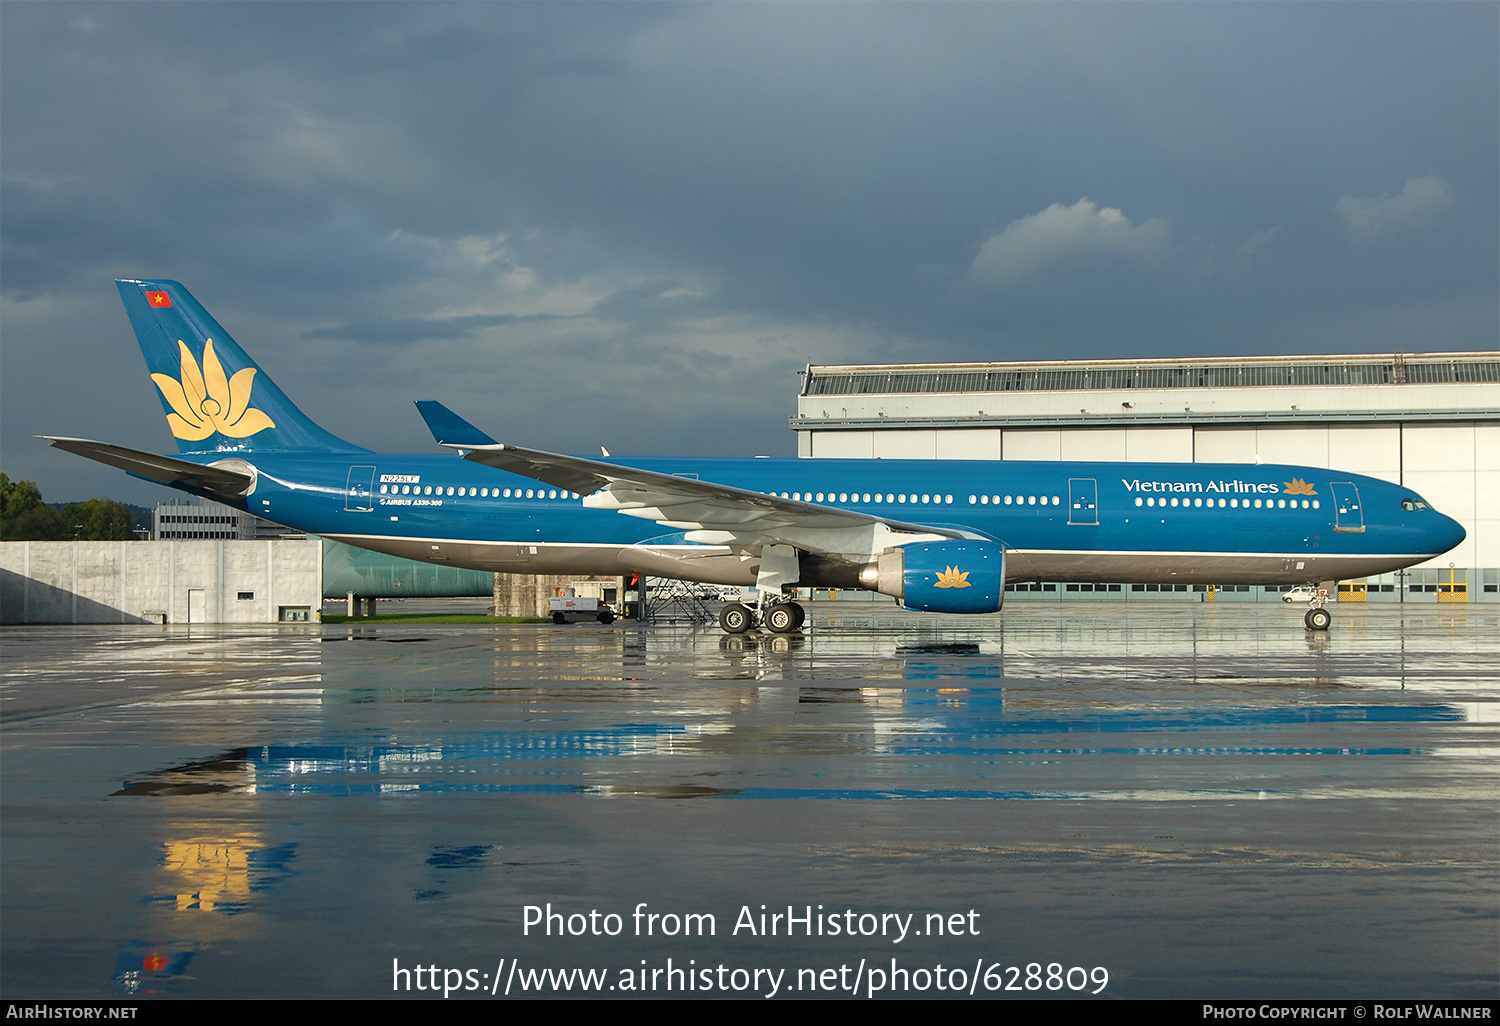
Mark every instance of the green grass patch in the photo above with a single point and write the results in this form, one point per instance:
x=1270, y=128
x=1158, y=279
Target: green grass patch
x=432, y=618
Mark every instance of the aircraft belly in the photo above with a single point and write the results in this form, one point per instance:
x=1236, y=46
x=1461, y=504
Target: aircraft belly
x=686, y=563
x=1203, y=568
x=712, y=565
x=707, y=568
x=497, y=557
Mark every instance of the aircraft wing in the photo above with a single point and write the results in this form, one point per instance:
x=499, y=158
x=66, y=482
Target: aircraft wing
x=165, y=470
x=711, y=513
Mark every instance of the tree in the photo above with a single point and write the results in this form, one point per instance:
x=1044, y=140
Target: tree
x=96, y=520
x=25, y=517
x=16, y=497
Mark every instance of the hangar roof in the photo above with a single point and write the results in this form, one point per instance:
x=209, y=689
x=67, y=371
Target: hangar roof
x=1212, y=372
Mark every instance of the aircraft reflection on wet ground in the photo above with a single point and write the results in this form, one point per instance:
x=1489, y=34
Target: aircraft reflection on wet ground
x=1207, y=802
x=527, y=761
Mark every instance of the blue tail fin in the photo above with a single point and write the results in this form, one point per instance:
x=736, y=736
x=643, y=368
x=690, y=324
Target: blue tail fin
x=215, y=397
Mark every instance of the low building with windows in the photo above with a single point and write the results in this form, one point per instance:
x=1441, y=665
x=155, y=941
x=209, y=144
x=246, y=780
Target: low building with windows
x=1429, y=421
x=204, y=519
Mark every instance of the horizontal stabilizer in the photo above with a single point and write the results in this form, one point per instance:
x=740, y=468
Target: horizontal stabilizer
x=161, y=469
x=448, y=428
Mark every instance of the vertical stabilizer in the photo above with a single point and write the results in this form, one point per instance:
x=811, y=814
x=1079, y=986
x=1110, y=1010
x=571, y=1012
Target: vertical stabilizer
x=215, y=397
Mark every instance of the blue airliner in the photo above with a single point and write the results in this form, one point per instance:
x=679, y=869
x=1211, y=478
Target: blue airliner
x=937, y=535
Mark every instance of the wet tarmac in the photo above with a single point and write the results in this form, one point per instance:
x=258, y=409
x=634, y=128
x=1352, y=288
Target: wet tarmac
x=1147, y=801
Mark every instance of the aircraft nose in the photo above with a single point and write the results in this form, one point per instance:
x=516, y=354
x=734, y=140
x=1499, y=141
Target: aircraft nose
x=1447, y=534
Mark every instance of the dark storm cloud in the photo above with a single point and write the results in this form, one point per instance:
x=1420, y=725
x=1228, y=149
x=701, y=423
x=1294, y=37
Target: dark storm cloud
x=54, y=227
x=656, y=300
x=397, y=330
x=638, y=221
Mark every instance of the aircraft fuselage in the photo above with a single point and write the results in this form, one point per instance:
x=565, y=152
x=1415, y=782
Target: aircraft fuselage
x=1109, y=522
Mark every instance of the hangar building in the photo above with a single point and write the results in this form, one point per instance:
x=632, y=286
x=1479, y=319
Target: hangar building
x=1430, y=421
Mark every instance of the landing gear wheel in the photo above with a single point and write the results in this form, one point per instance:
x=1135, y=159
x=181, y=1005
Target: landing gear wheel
x=559, y=618
x=605, y=616
x=735, y=619
x=736, y=644
x=1317, y=619
x=782, y=618
x=801, y=613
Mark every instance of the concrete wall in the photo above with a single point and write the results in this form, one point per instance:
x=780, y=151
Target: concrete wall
x=528, y=595
x=171, y=581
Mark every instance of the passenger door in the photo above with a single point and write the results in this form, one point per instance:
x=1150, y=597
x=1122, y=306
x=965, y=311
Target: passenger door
x=359, y=494
x=1083, y=501
x=1347, y=516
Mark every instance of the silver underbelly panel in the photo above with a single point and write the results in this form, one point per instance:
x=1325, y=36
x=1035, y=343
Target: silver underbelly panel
x=713, y=565
x=1202, y=567
x=694, y=563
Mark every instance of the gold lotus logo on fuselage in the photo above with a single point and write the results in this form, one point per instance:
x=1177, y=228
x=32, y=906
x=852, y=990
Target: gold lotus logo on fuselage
x=951, y=577
x=1297, y=486
x=208, y=400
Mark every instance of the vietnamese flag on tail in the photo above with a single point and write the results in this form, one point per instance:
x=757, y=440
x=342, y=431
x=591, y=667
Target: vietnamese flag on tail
x=158, y=299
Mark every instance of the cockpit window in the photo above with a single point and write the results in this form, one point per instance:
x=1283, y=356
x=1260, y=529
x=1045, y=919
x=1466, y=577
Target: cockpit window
x=1410, y=503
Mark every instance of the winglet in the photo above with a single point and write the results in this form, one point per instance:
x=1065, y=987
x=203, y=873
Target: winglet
x=448, y=428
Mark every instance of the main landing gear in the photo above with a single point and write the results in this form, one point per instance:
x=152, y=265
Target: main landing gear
x=776, y=579
x=778, y=617
x=1318, y=618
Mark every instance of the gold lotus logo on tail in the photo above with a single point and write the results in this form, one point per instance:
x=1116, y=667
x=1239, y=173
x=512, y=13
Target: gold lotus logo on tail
x=952, y=578
x=207, y=400
x=1297, y=486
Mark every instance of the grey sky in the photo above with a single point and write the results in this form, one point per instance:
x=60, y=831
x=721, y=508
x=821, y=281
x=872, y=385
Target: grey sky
x=633, y=224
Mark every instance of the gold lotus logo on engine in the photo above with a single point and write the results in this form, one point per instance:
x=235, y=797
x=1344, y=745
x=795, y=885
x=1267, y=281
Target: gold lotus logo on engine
x=1297, y=486
x=208, y=400
x=952, y=578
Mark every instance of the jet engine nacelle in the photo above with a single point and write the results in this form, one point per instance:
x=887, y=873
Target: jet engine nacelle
x=941, y=577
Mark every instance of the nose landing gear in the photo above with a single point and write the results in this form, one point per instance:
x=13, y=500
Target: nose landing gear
x=1318, y=618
